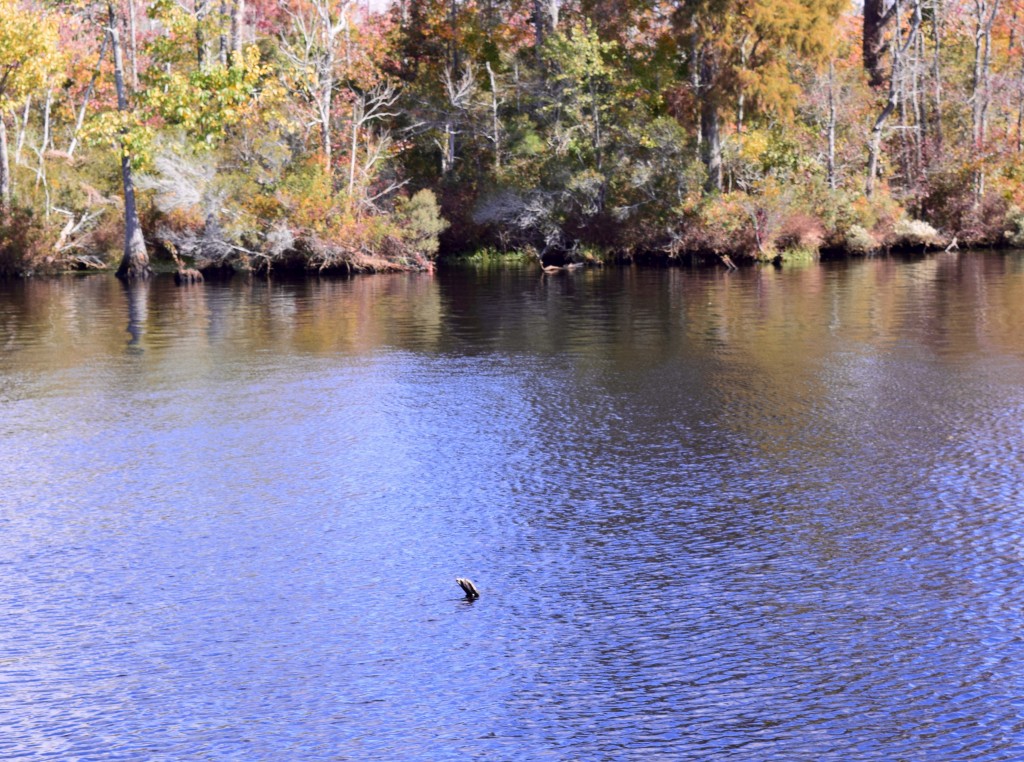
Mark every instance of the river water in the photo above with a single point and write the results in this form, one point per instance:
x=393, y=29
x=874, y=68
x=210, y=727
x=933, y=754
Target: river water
x=773, y=514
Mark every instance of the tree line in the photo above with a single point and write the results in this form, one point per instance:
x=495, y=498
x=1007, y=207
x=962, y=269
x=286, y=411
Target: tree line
x=341, y=135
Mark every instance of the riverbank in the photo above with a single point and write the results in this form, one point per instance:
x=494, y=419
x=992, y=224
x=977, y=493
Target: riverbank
x=710, y=238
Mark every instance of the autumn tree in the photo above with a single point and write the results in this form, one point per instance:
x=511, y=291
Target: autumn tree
x=135, y=260
x=318, y=46
x=28, y=55
x=984, y=17
x=900, y=45
x=738, y=56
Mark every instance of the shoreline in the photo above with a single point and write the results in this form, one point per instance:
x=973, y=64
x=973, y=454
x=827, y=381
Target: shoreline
x=553, y=265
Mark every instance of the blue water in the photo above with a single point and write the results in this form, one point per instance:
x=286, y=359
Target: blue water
x=763, y=515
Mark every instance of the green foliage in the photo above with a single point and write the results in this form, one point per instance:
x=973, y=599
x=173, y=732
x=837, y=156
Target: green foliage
x=205, y=104
x=122, y=132
x=490, y=256
x=421, y=218
x=915, y=234
x=858, y=240
x=1015, y=224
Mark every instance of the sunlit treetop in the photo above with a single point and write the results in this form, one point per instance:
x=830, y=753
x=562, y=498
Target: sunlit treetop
x=28, y=51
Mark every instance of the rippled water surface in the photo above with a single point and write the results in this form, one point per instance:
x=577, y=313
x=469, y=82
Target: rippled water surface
x=763, y=515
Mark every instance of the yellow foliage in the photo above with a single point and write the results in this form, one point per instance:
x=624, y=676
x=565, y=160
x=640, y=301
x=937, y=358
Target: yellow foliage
x=28, y=52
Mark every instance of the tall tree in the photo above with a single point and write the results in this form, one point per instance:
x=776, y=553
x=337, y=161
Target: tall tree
x=738, y=51
x=135, y=261
x=318, y=46
x=899, y=45
x=985, y=12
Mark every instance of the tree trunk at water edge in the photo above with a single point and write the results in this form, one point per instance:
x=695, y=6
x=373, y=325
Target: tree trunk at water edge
x=135, y=262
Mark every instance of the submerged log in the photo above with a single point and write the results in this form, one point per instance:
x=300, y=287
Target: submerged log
x=468, y=588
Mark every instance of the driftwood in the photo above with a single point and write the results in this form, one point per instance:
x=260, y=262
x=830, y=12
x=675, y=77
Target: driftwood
x=468, y=588
x=75, y=233
x=87, y=262
x=187, y=275
x=553, y=269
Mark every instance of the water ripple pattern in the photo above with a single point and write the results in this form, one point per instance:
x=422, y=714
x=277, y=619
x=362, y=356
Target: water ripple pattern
x=771, y=515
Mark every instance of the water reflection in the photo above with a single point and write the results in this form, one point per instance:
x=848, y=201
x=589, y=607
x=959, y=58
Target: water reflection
x=770, y=514
x=137, y=295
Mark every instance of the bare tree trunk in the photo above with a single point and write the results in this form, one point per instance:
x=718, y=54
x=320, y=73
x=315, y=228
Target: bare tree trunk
x=984, y=19
x=920, y=117
x=458, y=91
x=711, y=146
x=976, y=84
x=495, y=124
x=357, y=107
x=223, y=32
x=986, y=69
x=985, y=15
x=200, y=11
x=237, y=18
x=876, y=19
x=22, y=130
x=904, y=136
x=41, y=169
x=595, y=114
x=1011, y=49
x=5, y=169
x=937, y=70
x=367, y=107
x=448, y=150
x=875, y=142
x=88, y=95
x=892, y=101
x=695, y=84
x=327, y=93
x=453, y=43
x=44, y=144
x=135, y=262
x=741, y=100
x=554, y=12
x=1020, y=106
x=831, y=160
x=133, y=44
x=538, y=28
x=448, y=154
